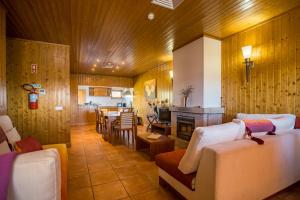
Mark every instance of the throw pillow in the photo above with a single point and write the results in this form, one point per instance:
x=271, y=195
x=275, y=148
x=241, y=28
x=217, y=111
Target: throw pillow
x=13, y=136
x=297, y=123
x=204, y=136
x=2, y=135
x=28, y=144
x=4, y=147
x=5, y=123
x=259, y=126
x=283, y=123
x=256, y=126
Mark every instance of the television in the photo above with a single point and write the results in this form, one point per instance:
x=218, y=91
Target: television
x=164, y=115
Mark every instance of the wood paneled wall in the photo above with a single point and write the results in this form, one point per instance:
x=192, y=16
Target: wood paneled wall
x=82, y=114
x=3, y=104
x=164, y=88
x=275, y=80
x=53, y=72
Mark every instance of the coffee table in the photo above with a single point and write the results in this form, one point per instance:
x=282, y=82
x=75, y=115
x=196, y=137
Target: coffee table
x=155, y=146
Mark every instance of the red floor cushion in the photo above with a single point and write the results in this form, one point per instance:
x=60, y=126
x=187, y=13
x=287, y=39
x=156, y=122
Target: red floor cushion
x=169, y=162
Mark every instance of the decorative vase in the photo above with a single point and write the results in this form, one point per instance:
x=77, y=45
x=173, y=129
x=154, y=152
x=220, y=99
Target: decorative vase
x=184, y=101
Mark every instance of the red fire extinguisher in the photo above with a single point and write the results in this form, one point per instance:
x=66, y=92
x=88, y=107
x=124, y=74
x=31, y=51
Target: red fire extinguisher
x=33, y=96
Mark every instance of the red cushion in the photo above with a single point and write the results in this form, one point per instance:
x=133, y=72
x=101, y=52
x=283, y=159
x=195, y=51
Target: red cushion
x=28, y=144
x=262, y=125
x=169, y=162
x=297, y=123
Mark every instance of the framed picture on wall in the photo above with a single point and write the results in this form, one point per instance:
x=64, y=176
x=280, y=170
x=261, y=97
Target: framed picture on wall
x=150, y=89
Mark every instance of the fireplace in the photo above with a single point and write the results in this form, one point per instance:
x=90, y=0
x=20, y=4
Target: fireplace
x=185, y=127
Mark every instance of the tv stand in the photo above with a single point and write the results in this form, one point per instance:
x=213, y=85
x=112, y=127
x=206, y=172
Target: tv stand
x=162, y=128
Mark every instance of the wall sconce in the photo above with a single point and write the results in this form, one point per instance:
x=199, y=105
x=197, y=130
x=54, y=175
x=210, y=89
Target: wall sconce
x=247, y=51
x=171, y=74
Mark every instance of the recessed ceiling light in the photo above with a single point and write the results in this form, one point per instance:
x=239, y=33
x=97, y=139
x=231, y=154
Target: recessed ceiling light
x=117, y=67
x=95, y=65
x=151, y=16
x=123, y=63
x=93, y=69
x=98, y=60
x=108, y=65
x=113, y=71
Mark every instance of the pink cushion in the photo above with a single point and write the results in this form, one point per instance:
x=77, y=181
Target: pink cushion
x=261, y=125
x=28, y=144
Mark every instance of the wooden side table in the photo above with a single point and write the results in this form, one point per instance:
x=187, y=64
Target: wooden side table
x=161, y=145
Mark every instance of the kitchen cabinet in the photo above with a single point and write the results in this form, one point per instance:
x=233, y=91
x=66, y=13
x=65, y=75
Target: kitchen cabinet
x=99, y=91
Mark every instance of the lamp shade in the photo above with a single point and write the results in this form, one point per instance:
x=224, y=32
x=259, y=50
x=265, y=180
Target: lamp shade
x=247, y=50
x=171, y=74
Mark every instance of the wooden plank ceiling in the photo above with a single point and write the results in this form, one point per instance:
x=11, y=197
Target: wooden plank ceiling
x=119, y=32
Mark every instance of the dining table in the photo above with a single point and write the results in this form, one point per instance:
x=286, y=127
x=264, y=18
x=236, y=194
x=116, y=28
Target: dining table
x=110, y=118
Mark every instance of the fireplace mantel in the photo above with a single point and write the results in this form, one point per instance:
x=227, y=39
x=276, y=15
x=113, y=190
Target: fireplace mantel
x=197, y=110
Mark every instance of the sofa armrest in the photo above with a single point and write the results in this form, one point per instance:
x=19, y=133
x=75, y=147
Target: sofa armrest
x=36, y=176
x=206, y=175
x=63, y=152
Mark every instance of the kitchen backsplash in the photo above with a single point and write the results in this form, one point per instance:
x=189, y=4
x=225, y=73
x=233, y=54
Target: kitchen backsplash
x=107, y=101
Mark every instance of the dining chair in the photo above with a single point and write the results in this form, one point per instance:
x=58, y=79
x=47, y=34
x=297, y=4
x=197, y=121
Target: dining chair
x=125, y=125
x=104, y=110
x=103, y=121
x=127, y=110
x=97, y=120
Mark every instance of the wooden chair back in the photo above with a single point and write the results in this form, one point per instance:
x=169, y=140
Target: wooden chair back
x=127, y=110
x=97, y=115
x=105, y=111
x=126, y=120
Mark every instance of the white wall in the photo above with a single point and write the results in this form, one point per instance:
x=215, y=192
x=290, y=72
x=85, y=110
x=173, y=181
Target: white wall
x=188, y=70
x=212, y=73
x=198, y=64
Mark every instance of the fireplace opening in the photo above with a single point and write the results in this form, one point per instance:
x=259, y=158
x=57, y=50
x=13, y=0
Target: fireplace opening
x=185, y=127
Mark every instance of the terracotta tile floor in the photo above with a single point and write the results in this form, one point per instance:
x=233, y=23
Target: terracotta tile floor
x=101, y=171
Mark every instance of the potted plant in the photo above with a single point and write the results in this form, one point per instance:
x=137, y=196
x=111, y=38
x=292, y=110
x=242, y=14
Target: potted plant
x=186, y=93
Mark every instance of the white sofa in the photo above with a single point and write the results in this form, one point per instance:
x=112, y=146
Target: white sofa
x=242, y=169
x=35, y=175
